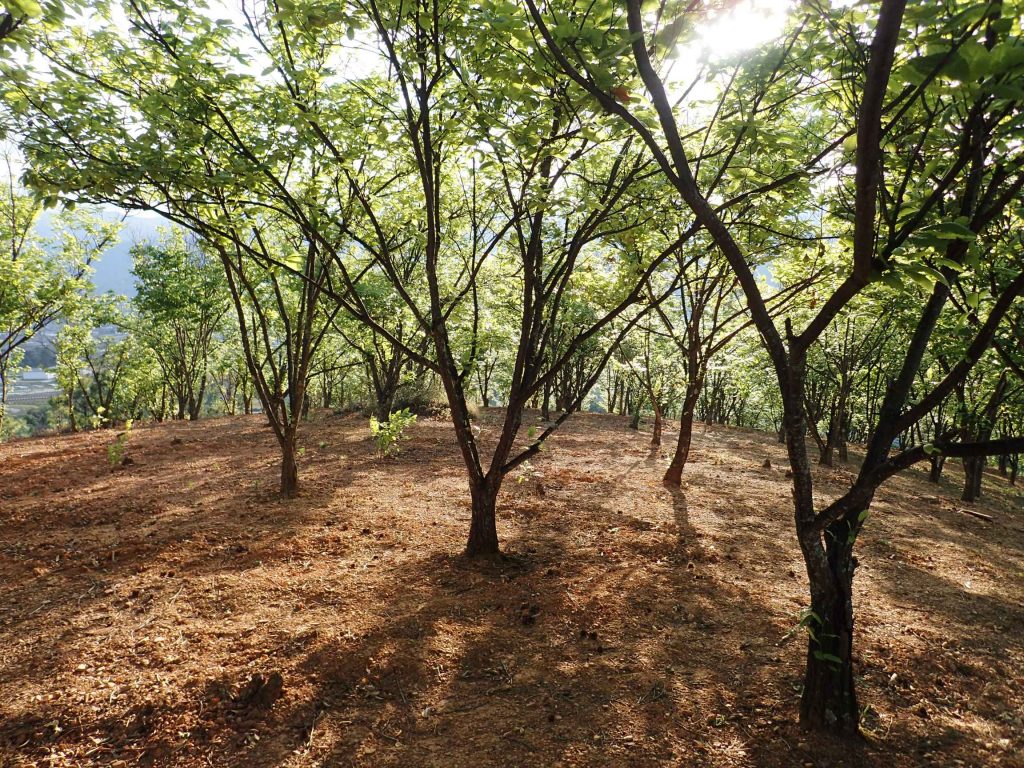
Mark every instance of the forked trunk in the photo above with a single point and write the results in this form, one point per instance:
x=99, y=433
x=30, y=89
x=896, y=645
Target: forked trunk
x=483, y=527
x=829, y=700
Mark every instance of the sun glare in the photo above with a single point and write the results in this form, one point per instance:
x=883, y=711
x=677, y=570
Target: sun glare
x=745, y=25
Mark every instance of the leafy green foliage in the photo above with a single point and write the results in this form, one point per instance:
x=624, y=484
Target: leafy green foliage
x=388, y=435
x=117, y=450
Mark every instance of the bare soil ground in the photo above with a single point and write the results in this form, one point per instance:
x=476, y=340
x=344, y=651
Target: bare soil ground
x=175, y=612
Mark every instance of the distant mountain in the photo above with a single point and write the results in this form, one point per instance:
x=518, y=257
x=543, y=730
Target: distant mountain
x=113, y=272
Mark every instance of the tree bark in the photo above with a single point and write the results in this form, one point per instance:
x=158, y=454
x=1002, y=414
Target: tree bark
x=974, y=469
x=829, y=699
x=835, y=433
x=674, y=473
x=289, y=469
x=483, y=528
x=656, y=431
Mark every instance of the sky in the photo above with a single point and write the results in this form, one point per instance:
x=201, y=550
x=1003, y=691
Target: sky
x=746, y=25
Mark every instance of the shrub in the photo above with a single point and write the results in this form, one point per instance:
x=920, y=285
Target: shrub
x=428, y=401
x=423, y=399
x=387, y=434
x=116, y=450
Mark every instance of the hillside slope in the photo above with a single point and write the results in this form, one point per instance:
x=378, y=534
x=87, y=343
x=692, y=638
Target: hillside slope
x=140, y=608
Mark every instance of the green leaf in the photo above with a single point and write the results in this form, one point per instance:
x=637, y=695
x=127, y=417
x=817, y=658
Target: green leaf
x=28, y=8
x=942, y=261
x=950, y=230
x=829, y=657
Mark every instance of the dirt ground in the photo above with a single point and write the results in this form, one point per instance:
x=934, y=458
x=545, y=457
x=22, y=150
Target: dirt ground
x=175, y=612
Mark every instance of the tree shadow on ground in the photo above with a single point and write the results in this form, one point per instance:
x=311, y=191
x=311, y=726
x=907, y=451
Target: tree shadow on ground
x=626, y=625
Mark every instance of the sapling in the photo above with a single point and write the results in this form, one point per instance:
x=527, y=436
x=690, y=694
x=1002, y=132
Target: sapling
x=387, y=434
x=116, y=450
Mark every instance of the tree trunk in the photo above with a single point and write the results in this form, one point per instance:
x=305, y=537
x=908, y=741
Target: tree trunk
x=385, y=402
x=289, y=469
x=674, y=473
x=3, y=400
x=972, y=480
x=483, y=527
x=829, y=700
x=938, y=461
x=656, y=431
x=827, y=451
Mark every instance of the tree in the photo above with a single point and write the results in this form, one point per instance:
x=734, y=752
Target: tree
x=548, y=202
x=281, y=321
x=204, y=163
x=40, y=279
x=912, y=212
x=103, y=371
x=649, y=357
x=180, y=301
x=473, y=173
